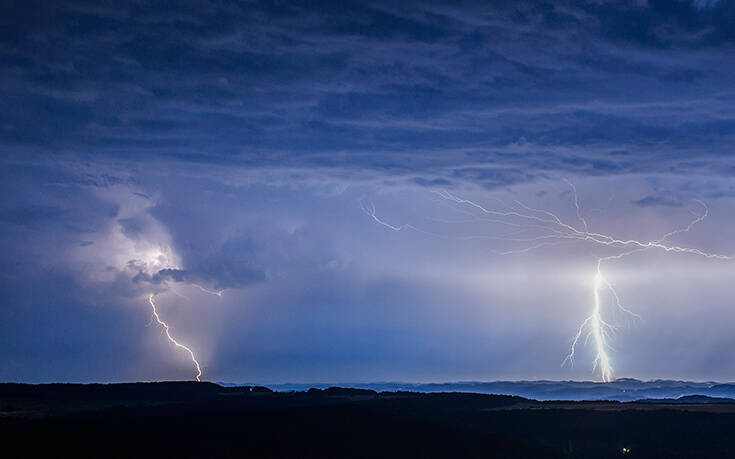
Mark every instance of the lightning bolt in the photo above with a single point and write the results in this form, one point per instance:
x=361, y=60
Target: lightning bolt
x=552, y=230
x=172, y=340
x=370, y=211
x=211, y=292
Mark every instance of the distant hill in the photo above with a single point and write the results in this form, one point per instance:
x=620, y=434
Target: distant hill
x=688, y=399
x=623, y=389
x=190, y=419
x=159, y=391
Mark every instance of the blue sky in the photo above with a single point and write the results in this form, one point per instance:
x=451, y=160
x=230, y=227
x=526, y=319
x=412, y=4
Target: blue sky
x=150, y=149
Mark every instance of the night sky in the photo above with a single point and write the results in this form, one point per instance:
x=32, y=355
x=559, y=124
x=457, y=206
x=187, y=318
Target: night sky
x=175, y=148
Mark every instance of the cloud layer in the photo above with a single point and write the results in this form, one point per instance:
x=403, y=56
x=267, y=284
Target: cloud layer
x=231, y=146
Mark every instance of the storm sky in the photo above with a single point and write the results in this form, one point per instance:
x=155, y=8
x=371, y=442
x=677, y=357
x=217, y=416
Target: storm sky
x=156, y=148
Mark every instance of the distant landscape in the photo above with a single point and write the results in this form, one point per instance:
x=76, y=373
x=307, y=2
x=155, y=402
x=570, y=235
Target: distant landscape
x=622, y=389
x=189, y=419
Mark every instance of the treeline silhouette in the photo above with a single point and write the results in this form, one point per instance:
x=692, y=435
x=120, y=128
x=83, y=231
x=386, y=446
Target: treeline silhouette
x=181, y=419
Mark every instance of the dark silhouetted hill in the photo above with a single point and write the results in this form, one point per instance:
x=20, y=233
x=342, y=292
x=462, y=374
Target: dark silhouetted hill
x=688, y=399
x=623, y=389
x=183, y=420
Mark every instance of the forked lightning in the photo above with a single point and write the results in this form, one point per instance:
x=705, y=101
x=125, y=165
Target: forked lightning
x=171, y=338
x=550, y=229
x=167, y=329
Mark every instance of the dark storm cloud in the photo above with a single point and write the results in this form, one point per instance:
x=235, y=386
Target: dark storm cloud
x=650, y=201
x=148, y=146
x=227, y=273
x=231, y=268
x=31, y=216
x=427, y=85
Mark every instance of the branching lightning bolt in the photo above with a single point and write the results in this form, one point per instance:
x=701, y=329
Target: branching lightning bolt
x=554, y=230
x=172, y=340
x=218, y=292
x=371, y=212
x=165, y=326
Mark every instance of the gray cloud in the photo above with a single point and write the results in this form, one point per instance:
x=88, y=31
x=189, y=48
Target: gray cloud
x=146, y=149
x=414, y=85
x=650, y=201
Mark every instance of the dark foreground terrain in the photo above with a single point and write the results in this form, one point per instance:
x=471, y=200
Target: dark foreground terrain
x=206, y=420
